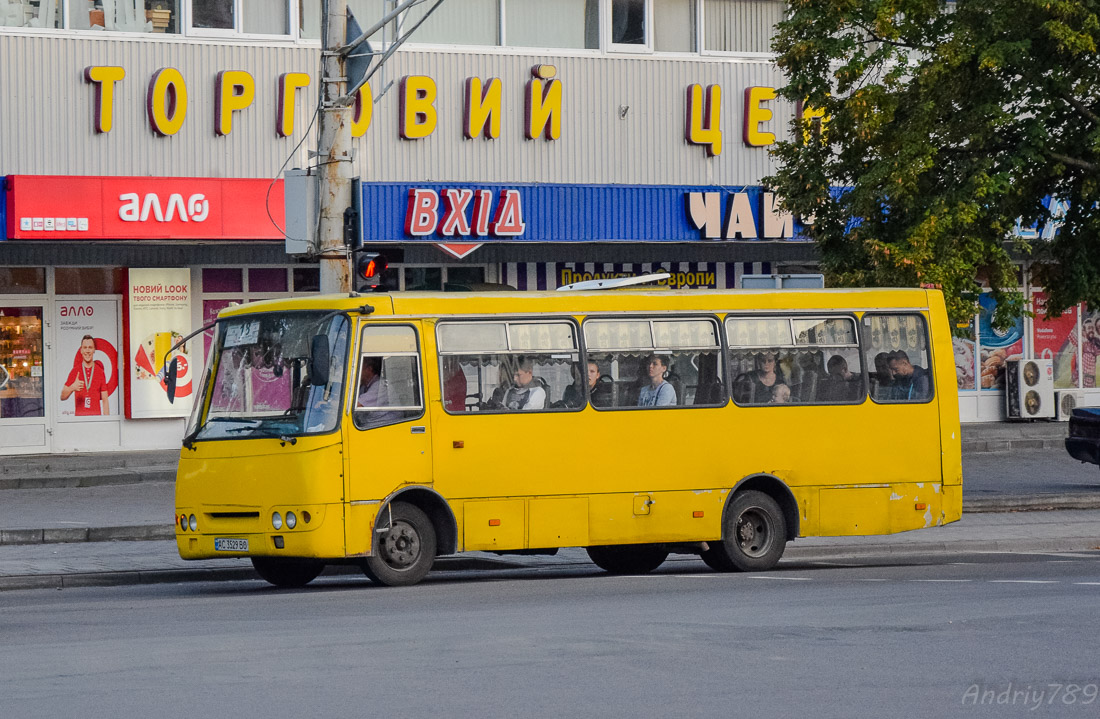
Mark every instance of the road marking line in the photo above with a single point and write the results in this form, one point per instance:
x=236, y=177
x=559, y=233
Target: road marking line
x=1087, y=584
x=941, y=580
x=872, y=580
x=789, y=579
x=1023, y=581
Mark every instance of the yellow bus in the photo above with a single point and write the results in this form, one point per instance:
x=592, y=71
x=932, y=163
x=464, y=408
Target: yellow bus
x=385, y=430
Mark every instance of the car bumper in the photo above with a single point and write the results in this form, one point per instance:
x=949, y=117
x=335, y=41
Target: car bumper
x=1084, y=449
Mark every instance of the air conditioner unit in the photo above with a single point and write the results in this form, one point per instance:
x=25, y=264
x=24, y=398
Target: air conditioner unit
x=1029, y=389
x=1065, y=400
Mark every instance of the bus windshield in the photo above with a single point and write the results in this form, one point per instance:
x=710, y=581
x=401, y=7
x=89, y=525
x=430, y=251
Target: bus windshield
x=261, y=383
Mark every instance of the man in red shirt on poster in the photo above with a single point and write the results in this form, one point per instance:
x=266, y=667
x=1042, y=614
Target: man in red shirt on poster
x=88, y=381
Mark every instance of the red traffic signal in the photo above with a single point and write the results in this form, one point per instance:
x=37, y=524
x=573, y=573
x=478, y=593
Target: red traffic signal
x=369, y=267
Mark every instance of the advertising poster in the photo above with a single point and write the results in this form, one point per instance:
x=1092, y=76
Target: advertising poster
x=997, y=346
x=1090, y=346
x=1056, y=339
x=964, y=358
x=88, y=361
x=158, y=315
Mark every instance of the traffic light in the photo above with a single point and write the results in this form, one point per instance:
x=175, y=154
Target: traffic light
x=369, y=267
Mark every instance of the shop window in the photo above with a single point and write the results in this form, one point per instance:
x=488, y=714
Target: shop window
x=153, y=16
x=424, y=278
x=21, y=370
x=307, y=279
x=674, y=25
x=470, y=22
x=366, y=12
x=25, y=14
x=552, y=23
x=22, y=280
x=267, y=279
x=464, y=278
x=222, y=279
x=256, y=17
x=740, y=25
x=89, y=280
x=628, y=22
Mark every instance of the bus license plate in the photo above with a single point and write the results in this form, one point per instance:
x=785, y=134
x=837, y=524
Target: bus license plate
x=230, y=545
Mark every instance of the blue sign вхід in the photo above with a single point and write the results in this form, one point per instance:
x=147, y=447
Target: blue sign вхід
x=480, y=212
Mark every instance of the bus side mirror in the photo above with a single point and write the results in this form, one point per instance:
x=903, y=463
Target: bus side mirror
x=170, y=379
x=318, y=361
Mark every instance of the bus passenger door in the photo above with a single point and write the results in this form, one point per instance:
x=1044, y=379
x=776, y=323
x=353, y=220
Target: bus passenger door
x=389, y=443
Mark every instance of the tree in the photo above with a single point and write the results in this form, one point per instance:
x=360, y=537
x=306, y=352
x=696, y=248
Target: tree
x=944, y=124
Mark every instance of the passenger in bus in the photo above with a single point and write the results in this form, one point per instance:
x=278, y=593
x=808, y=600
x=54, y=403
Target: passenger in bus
x=841, y=385
x=372, y=390
x=756, y=386
x=526, y=393
x=883, y=378
x=454, y=385
x=600, y=392
x=657, y=392
x=781, y=394
x=911, y=382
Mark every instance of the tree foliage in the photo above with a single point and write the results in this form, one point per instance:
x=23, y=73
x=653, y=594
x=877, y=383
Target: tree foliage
x=945, y=123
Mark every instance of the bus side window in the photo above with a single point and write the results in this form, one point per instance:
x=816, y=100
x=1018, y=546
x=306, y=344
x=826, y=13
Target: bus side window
x=896, y=347
x=388, y=387
x=509, y=366
x=655, y=363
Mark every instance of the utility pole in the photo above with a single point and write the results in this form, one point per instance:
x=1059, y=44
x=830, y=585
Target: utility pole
x=334, y=152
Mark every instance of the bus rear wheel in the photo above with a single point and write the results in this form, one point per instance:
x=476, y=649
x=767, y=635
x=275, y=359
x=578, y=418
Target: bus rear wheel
x=287, y=572
x=403, y=553
x=628, y=558
x=754, y=535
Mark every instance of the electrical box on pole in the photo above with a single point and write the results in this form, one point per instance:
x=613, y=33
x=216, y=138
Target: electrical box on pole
x=300, y=201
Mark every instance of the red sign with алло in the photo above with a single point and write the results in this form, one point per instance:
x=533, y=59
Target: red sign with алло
x=59, y=208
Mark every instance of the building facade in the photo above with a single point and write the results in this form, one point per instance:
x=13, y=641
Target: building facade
x=142, y=145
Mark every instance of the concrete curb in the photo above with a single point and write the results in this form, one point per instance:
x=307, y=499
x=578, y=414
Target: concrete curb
x=214, y=574
x=1031, y=503
x=59, y=535
x=71, y=480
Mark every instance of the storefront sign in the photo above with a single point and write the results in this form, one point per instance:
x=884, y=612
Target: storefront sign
x=1055, y=338
x=572, y=213
x=87, y=358
x=62, y=208
x=158, y=314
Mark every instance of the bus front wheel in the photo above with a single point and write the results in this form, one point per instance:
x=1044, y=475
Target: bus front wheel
x=287, y=572
x=628, y=558
x=403, y=552
x=754, y=535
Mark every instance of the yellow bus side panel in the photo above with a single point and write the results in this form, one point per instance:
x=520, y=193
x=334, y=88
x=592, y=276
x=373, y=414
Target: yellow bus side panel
x=846, y=511
x=496, y=524
x=952, y=503
x=558, y=522
x=670, y=517
x=360, y=528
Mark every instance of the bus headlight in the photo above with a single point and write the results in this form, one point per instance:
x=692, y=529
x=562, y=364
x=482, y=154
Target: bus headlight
x=183, y=522
x=193, y=521
x=291, y=520
x=277, y=520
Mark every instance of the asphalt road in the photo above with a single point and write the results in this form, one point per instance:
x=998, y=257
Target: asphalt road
x=913, y=638
x=1048, y=471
